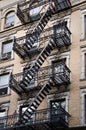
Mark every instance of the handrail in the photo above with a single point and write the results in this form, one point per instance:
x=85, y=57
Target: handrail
x=39, y=116
x=43, y=73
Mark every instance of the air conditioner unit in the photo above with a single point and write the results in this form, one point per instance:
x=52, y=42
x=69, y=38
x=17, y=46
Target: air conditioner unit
x=6, y=56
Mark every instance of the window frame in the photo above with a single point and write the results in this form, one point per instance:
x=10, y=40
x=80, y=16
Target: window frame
x=83, y=32
x=57, y=62
x=83, y=113
x=85, y=26
x=83, y=63
x=35, y=12
x=7, y=17
x=58, y=96
x=7, y=55
x=6, y=85
x=4, y=106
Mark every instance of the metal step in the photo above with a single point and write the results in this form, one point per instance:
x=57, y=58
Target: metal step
x=36, y=101
x=39, y=61
x=39, y=27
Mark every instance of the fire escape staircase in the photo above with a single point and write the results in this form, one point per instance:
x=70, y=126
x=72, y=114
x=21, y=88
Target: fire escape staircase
x=31, y=38
x=36, y=101
x=29, y=76
x=38, y=63
x=21, y=12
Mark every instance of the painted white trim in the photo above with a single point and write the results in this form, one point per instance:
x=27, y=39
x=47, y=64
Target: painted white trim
x=83, y=13
x=83, y=51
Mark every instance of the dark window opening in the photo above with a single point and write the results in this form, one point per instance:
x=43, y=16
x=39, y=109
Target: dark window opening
x=85, y=64
x=85, y=26
x=85, y=109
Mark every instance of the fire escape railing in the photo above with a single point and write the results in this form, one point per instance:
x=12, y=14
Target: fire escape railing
x=23, y=10
x=24, y=7
x=40, y=78
x=48, y=117
x=62, y=38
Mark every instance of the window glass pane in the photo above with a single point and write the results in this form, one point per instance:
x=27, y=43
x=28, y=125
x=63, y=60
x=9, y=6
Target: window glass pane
x=7, y=47
x=34, y=11
x=4, y=79
x=10, y=19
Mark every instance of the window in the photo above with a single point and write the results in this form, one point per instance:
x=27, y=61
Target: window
x=83, y=63
x=85, y=108
x=7, y=49
x=83, y=105
x=58, y=70
x=34, y=13
x=3, y=114
x=9, y=19
x=58, y=100
x=61, y=4
x=4, y=84
x=58, y=111
x=85, y=26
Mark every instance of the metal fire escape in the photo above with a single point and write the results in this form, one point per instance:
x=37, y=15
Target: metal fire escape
x=58, y=40
x=52, y=8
